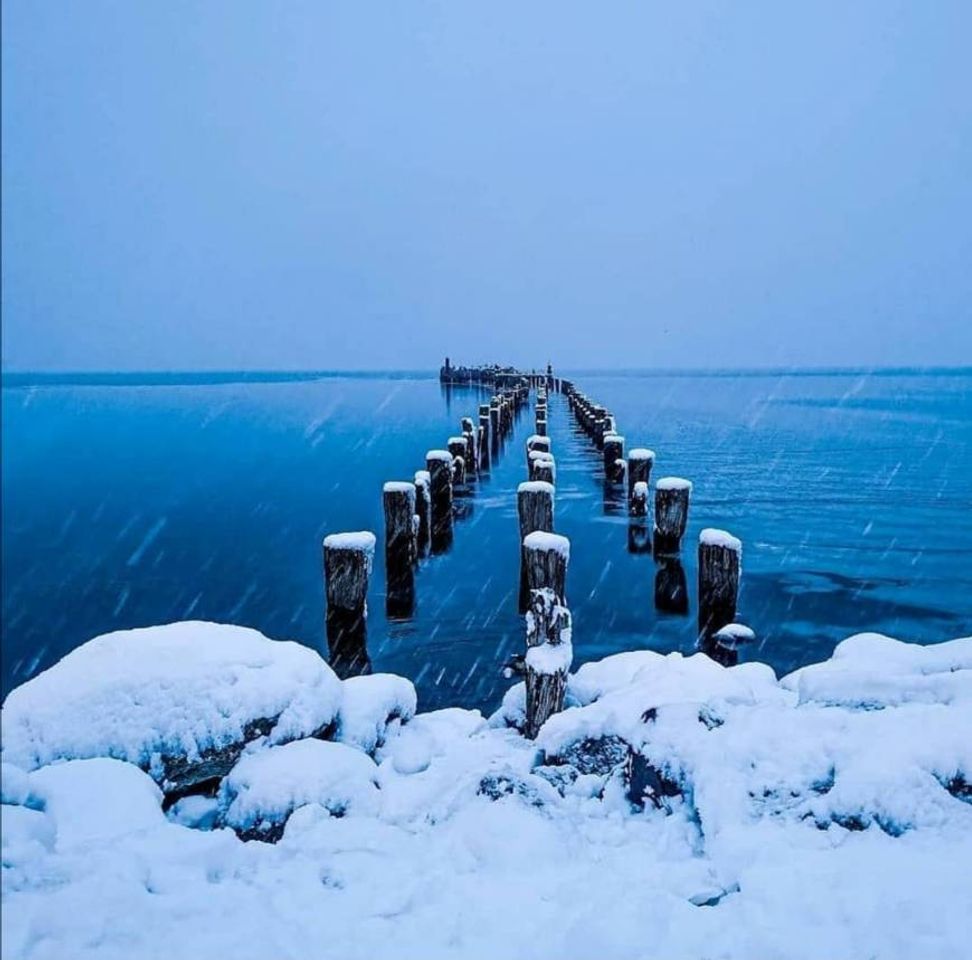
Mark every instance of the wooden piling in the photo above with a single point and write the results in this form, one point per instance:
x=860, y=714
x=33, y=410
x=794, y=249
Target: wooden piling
x=423, y=510
x=535, y=507
x=439, y=465
x=671, y=512
x=546, y=556
x=613, y=452
x=548, y=658
x=638, y=502
x=484, y=437
x=720, y=555
x=398, y=500
x=640, y=462
x=348, y=559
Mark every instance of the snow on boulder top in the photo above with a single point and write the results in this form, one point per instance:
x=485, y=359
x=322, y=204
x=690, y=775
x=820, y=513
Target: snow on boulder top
x=640, y=453
x=711, y=537
x=266, y=786
x=171, y=691
x=673, y=483
x=442, y=455
x=536, y=486
x=398, y=486
x=542, y=540
x=370, y=704
x=362, y=540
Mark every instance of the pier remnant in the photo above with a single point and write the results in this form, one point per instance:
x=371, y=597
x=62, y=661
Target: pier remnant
x=546, y=556
x=613, y=454
x=348, y=559
x=720, y=555
x=423, y=511
x=398, y=500
x=671, y=513
x=548, y=658
x=640, y=462
x=439, y=466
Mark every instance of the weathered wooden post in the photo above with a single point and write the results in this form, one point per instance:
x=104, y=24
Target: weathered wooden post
x=546, y=556
x=469, y=433
x=457, y=449
x=640, y=462
x=484, y=437
x=613, y=452
x=671, y=513
x=724, y=646
x=494, y=426
x=541, y=424
x=439, y=464
x=638, y=504
x=423, y=510
x=548, y=658
x=720, y=555
x=398, y=500
x=542, y=467
x=348, y=558
x=535, y=507
x=536, y=443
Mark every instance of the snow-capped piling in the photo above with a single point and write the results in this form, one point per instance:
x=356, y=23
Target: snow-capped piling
x=613, y=453
x=348, y=559
x=720, y=554
x=423, y=511
x=469, y=434
x=535, y=507
x=548, y=658
x=398, y=500
x=671, y=512
x=640, y=462
x=542, y=467
x=541, y=424
x=536, y=443
x=457, y=449
x=638, y=498
x=546, y=556
x=725, y=643
x=484, y=437
x=439, y=465
x=494, y=422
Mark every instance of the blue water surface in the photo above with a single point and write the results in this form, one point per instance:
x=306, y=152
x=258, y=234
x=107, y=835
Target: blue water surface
x=131, y=500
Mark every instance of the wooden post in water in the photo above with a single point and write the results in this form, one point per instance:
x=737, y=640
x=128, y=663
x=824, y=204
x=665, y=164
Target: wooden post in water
x=439, y=464
x=348, y=559
x=671, y=513
x=484, y=437
x=457, y=448
x=536, y=443
x=720, y=554
x=640, y=462
x=613, y=452
x=469, y=433
x=535, y=509
x=638, y=503
x=423, y=510
x=542, y=467
x=398, y=500
x=548, y=658
x=546, y=556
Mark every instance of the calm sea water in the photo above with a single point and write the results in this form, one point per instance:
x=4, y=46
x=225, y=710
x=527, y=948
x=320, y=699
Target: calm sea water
x=130, y=501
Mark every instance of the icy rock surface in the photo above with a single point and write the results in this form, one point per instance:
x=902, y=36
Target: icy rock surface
x=826, y=814
x=180, y=701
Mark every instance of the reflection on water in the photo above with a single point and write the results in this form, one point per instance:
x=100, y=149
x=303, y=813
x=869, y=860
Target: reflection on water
x=129, y=503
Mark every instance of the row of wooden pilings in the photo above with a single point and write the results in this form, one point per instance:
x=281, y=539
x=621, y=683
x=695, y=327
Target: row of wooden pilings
x=419, y=519
x=719, y=553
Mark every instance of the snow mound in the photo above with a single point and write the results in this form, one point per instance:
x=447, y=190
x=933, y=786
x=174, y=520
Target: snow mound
x=179, y=701
x=266, y=786
x=370, y=704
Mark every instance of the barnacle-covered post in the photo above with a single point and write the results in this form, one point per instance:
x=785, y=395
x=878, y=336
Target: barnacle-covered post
x=671, y=513
x=439, y=465
x=548, y=658
x=348, y=559
x=398, y=500
x=720, y=555
x=423, y=512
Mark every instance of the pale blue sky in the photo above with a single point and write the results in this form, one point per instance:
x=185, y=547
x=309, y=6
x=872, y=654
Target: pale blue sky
x=341, y=185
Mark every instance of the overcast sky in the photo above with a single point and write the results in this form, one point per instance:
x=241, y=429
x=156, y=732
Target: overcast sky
x=372, y=185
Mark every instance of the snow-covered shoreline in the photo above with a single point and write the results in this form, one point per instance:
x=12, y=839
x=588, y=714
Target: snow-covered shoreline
x=675, y=808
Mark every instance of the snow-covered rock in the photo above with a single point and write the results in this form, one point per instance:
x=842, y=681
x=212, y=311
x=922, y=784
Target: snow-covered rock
x=266, y=786
x=675, y=808
x=180, y=701
x=369, y=704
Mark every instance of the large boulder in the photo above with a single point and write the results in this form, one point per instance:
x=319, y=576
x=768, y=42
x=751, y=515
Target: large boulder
x=180, y=701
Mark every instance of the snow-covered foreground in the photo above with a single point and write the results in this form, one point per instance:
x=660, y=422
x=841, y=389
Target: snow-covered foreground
x=675, y=809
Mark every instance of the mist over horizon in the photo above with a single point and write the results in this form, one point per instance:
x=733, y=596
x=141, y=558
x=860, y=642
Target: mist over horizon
x=236, y=187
